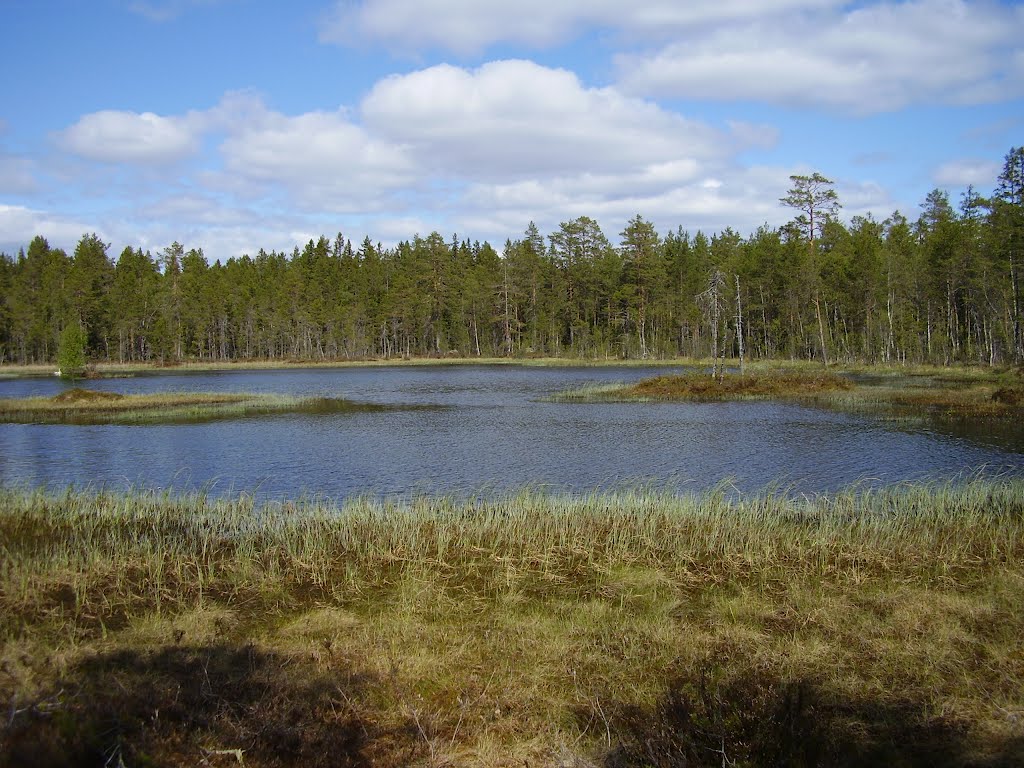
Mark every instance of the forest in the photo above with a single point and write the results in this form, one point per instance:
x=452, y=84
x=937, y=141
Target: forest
x=940, y=288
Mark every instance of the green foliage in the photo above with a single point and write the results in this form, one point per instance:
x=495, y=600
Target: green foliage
x=943, y=288
x=71, y=353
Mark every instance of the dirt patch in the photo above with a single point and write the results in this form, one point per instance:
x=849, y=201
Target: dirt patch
x=79, y=395
x=198, y=706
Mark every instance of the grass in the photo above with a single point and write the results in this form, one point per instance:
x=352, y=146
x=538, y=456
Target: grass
x=873, y=627
x=84, y=406
x=925, y=392
x=703, y=387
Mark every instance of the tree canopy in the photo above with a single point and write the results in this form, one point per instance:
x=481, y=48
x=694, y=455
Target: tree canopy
x=941, y=287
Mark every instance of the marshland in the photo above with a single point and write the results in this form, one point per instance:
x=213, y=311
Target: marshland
x=78, y=405
x=636, y=628
x=472, y=569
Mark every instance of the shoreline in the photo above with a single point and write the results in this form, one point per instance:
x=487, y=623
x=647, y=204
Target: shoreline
x=105, y=369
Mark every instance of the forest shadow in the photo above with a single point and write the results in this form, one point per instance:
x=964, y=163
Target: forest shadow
x=200, y=705
x=760, y=721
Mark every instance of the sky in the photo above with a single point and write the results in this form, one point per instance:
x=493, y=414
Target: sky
x=235, y=125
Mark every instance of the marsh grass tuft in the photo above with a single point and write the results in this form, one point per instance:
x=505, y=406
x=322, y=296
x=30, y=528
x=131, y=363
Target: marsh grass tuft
x=615, y=629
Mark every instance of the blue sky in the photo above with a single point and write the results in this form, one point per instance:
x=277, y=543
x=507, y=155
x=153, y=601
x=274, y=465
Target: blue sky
x=231, y=125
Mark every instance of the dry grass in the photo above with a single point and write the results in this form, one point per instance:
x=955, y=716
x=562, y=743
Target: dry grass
x=83, y=406
x=634, y=629
x=703, y=387
x=930, y=392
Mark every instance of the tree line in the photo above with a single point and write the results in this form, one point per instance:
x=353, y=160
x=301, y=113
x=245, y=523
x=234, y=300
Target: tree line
x=943, y=288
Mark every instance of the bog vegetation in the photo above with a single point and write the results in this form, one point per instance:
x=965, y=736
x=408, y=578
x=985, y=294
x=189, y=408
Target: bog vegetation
x=912, y=394
x=876, y=627
x=939, y=286
x=85, y=406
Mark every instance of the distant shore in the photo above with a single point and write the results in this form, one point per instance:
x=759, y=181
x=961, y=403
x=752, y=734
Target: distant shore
x=113, y=369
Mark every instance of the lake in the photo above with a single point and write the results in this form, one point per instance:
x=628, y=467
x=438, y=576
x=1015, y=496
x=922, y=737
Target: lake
x=486, y=429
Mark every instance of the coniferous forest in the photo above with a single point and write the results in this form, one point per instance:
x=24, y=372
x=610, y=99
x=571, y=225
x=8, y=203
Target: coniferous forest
x=941, y=286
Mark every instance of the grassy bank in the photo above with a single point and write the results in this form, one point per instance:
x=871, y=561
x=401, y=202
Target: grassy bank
x=84, y=406
x=633, y=629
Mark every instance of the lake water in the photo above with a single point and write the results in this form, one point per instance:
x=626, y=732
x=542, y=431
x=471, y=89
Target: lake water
x=487, y=431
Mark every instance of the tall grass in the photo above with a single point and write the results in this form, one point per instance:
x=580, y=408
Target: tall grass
x=627, y=628
x=157, y=548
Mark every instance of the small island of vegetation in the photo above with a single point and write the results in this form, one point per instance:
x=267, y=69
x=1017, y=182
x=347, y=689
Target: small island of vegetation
x=961, y=392
x=85, y=406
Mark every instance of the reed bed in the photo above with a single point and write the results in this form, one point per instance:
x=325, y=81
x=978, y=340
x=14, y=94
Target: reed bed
x=631, y=628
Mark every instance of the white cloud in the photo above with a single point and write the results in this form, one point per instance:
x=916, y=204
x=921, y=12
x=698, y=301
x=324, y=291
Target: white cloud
x=473, y=25
x=960, y=173
x=131, y=137
x=476, y=151
x=19, y=224
x=325, y=159
x=517, y=119
x=513, y=141
x=855, y=56
x=741, y=198
x=870, y=58
x=200, y=209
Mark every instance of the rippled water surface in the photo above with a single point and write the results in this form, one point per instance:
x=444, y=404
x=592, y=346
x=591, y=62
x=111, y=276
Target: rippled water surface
x=489, y=431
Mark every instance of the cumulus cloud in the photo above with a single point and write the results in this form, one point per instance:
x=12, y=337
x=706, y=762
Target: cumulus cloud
x=515, y=119
x=322, y=157
x=516, y=142
x=852, y=56
x=131, y=137
x=730, y=196
x=870, y=58
x=479, y=151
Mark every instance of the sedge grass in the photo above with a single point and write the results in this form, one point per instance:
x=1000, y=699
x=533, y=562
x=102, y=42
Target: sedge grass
x=531, y=628
x=83, y=406
x=921, y=394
